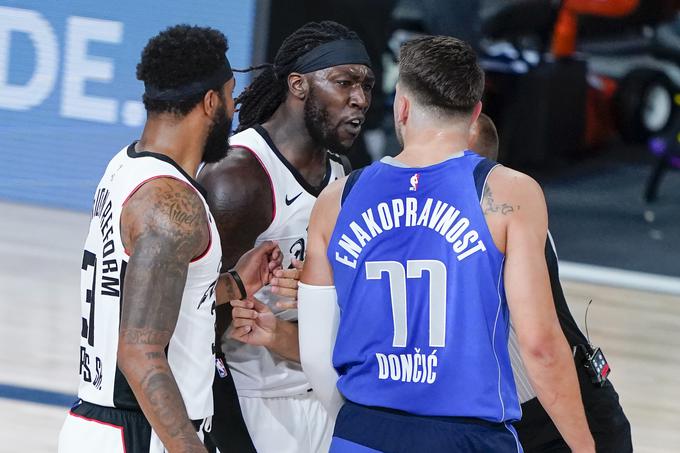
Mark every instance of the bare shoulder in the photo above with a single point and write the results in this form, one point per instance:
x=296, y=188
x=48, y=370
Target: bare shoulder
x=333, y=192
x=508, y=191
x=326, y=209
x=236, y=185
x=327, y=205
x=239, y=169
x=170, y=211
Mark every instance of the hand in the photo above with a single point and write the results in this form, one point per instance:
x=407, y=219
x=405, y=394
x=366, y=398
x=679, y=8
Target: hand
x=285, y=284
x=253, y=322
x=256, y=266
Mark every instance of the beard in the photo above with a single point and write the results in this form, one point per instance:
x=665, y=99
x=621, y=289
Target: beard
x=317, y=121
x=217, y=142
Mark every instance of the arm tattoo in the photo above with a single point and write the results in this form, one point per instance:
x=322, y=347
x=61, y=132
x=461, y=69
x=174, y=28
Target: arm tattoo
x=164, y=225
x=227, y=289
x=491, y=207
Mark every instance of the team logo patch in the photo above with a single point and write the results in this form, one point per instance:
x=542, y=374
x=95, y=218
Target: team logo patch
x=221, y=368
x=414, y=182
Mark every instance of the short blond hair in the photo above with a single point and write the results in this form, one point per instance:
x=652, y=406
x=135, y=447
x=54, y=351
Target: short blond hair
x=486, y=144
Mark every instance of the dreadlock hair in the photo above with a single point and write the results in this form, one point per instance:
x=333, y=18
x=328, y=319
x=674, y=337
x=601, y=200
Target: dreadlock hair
x=178, y=56
x=268, y=90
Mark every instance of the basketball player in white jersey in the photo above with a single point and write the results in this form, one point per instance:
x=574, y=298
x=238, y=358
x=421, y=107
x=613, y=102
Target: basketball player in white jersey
x=295, y=118
x=150, y=270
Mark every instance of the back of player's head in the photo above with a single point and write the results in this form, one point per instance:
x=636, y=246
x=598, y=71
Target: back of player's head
x=441, y=73
x=485, y=137
x=179, y=65
x=258, y=102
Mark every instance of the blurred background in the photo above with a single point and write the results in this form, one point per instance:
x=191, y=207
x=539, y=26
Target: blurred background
x=585, y=95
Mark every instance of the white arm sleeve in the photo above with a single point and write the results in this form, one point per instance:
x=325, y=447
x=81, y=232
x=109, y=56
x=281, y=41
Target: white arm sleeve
x=318, y=318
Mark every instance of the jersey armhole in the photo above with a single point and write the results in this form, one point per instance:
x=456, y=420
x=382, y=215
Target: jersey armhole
x=481, y=174
x=207, y=214
x=349, y=184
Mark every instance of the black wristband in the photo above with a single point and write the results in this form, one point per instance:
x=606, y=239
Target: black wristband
x=239, y=283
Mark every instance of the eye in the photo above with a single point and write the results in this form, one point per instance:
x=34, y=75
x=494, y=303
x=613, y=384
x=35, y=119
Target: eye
x=344, y=83
x=368, y=86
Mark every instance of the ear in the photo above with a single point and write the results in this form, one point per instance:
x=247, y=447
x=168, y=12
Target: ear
x=298, y=85
x=211, y=102
x=476, y=111
x=402, y=108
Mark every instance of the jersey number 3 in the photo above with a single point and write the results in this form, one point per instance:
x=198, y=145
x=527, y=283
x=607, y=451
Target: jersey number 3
x=397, y=276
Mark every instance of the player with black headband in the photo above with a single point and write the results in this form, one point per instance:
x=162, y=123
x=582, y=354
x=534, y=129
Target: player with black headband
x=150, y=270
x=298, y=117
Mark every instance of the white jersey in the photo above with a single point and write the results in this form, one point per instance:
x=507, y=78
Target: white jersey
x=190, y=351
x=256, y=370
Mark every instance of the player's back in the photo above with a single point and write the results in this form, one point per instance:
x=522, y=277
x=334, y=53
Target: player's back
x=189, y=352
x=424, y=321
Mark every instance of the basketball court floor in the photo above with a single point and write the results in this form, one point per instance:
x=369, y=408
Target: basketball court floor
x=635, y=318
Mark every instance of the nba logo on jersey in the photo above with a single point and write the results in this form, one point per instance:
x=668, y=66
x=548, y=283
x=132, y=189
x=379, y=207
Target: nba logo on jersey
x=221, y=368
x=414, y=182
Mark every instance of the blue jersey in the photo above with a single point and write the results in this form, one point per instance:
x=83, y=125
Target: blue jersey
x=424, y=321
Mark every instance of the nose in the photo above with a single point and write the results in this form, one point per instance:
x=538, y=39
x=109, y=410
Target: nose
x=359, y=98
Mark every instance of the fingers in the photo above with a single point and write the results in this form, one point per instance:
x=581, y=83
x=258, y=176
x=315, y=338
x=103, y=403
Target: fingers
x=246, y=303
x=297, y=264
x=288, y=282
x=285, y=292
x=243, y=313
x=240, y=333
x=285, y=281
x=243, y=322
x=267, y=247
x=260, y=307
x=275, y=260
x=287, y=274
x=287, y=305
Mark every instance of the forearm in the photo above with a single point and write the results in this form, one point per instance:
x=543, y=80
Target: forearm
x=285, y=341
x=147, y=371
x=319, y=316
x=553, y=376
x=226, y=289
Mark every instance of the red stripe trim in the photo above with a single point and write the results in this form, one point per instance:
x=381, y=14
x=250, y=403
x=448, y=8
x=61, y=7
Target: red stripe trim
x=207, y=249
x=271, y=182
x=122, y=435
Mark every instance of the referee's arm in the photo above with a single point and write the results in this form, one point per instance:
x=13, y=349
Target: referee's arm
x=542, y=344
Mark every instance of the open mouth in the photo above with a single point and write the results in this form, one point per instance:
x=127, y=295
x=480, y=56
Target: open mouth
x=354, y=125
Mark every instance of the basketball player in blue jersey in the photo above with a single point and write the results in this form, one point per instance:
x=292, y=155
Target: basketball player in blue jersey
x=150, y=270
x=297, y=118
x=537, y=433
x=413, y=269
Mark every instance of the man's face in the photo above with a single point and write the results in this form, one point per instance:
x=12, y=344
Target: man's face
x=217, y=142
x=336, y=105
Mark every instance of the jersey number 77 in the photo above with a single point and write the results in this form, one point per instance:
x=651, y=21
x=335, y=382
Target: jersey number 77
x=397, y=276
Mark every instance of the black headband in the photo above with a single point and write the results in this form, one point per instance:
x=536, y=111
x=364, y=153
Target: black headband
x=180, y=93
x=334, y=53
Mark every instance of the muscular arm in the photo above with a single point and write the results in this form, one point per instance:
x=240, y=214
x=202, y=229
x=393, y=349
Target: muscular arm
x=517, y=201
x=163, y=226
x=240, y=200
x=318, y=311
